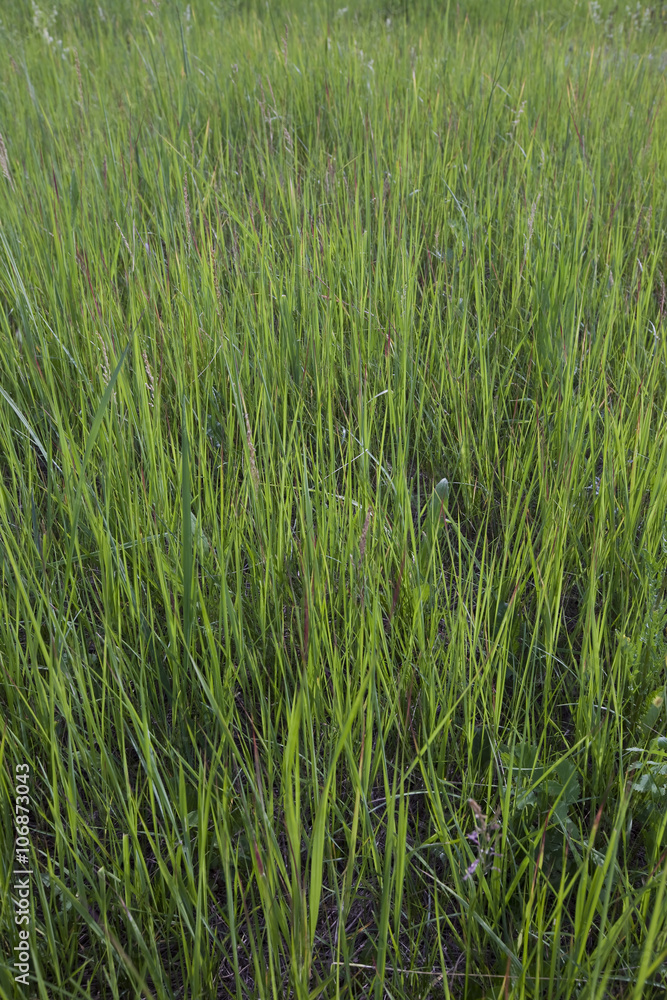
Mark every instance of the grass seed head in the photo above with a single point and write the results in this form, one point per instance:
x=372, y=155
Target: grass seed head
x=4, y=162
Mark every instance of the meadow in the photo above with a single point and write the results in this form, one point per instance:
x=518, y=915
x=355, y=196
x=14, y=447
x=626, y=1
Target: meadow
x=333, y=500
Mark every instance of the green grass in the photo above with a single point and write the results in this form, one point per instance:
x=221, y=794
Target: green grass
x=297, y=723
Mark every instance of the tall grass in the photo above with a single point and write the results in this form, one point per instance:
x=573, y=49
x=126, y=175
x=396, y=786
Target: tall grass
x=299, y=722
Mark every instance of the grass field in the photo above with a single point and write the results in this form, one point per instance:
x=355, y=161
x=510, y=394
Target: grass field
x=333, y=500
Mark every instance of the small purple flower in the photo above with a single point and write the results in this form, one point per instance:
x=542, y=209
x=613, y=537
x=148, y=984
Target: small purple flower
x=470, y=870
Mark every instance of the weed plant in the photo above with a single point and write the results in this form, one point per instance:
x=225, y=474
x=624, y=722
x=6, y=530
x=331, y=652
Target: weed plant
x=333, y=498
